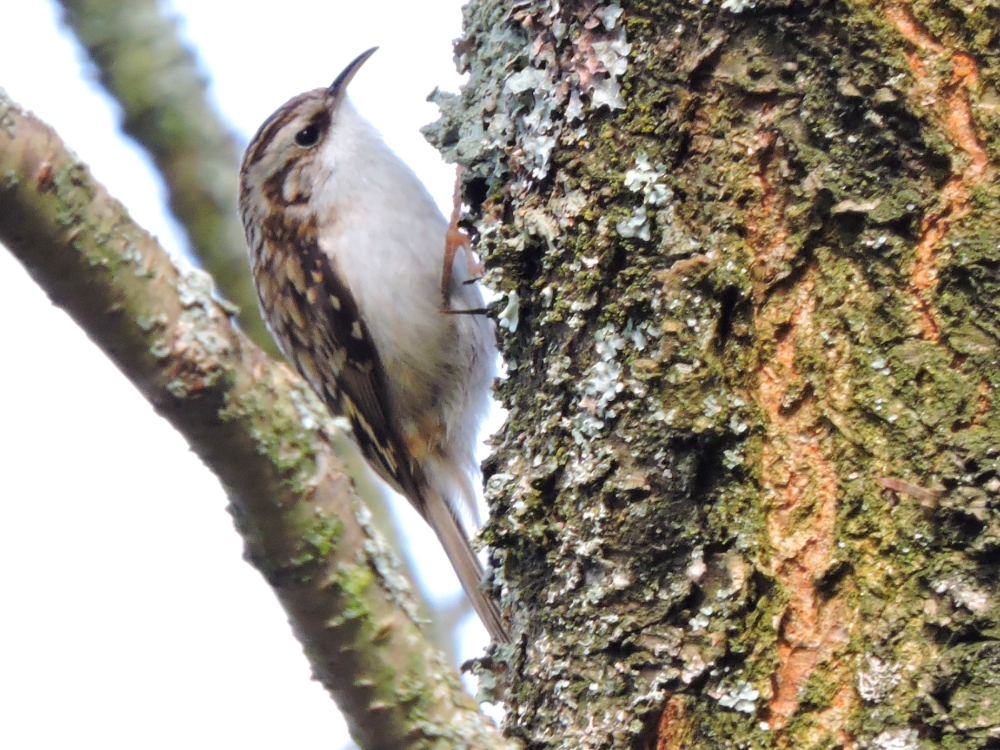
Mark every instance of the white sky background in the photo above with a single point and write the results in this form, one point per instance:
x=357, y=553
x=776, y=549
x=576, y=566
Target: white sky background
x=185, y=646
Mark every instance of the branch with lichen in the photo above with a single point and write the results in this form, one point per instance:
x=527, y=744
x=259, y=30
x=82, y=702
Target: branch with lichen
x=152, y=74
x=255, y=425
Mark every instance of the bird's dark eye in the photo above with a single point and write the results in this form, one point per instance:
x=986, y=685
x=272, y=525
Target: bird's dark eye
x=307, y=136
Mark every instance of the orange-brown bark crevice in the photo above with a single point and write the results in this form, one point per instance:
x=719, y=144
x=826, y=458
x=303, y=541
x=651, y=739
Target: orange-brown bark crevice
x=767, y=232
x=801, y=483
x=674, y=728
x=803, y=487
x=948, y=98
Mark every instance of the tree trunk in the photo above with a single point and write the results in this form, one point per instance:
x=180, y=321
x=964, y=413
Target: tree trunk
x=748, y=491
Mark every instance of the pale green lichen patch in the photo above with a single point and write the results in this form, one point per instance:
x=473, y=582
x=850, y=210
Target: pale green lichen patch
x=317, y=541
x=278, y=431
x=382, y=558
x=351, y=581
x=877, y=679
x=195, y=345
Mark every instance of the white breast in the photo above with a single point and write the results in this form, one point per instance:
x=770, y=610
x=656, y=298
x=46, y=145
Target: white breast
x=388, y=239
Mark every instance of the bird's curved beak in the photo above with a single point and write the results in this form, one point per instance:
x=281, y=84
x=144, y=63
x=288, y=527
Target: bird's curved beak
x=339, y=85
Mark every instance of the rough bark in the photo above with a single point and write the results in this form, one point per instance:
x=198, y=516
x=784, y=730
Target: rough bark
x=749, y=491
x=255, y=425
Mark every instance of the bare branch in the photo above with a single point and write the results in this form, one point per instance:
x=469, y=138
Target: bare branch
x=155, y=78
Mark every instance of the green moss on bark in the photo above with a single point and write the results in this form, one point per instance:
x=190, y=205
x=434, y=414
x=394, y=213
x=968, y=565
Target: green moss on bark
x=656, y=250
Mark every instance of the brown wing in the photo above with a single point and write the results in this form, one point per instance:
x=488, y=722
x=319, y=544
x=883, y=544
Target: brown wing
x=318, y=324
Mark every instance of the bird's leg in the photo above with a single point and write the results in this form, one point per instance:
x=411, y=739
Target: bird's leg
x=455, y=239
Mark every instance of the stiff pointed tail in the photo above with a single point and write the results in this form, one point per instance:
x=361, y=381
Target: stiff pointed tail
x=463, y=559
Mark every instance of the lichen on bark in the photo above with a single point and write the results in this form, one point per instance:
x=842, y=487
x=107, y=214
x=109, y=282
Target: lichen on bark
x=747, y=491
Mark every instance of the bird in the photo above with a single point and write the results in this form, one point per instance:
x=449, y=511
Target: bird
x=348, y=256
